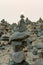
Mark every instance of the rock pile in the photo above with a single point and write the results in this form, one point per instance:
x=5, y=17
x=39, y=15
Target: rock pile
x=30, y=33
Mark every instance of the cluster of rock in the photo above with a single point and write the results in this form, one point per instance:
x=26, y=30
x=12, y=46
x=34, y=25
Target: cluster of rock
x=30, y=33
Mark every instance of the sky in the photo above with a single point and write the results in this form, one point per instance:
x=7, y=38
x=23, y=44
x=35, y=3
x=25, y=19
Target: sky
x=10, y=10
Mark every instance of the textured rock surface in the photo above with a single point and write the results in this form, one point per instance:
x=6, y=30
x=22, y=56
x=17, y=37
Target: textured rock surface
x=26, y=31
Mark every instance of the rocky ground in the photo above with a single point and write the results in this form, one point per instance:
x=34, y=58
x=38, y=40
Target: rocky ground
x=33, y=37
x=5, y=56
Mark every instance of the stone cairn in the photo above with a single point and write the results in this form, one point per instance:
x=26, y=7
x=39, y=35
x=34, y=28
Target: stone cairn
x=32, y=36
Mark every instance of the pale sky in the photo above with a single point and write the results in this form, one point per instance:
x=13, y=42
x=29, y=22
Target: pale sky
x=12, y=9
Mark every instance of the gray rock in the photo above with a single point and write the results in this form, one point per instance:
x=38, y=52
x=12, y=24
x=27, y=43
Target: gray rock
x=39, y=62
x=20, y=35
x=39, y=45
